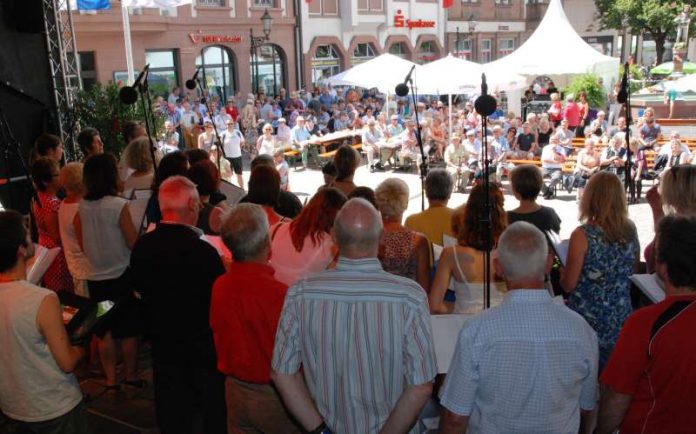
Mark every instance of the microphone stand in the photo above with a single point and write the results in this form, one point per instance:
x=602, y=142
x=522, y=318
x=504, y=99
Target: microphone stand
x=629, y=121
x=218, y=142
x=12, y=144
x=419, y=138
x=144, y=90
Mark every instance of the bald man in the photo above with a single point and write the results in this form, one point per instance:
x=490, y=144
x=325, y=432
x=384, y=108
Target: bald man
x=174, y=271
x=362, y=336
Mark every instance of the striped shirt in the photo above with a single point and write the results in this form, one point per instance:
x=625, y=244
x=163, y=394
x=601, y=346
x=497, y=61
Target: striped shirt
x=362, y=335
x=525, y=366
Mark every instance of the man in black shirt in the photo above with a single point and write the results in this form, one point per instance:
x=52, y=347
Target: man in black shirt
x=526, y=142
x=174, y=270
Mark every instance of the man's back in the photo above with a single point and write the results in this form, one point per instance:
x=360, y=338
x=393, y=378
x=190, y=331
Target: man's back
x=525, y=366
x=362, y=336
x=433, y=223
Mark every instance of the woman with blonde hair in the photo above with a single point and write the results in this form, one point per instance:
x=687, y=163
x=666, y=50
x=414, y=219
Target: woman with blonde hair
x=463, y=263
x=602, y=254
x=402, y=251
x=675, y=195
x=78, y=264
x=266, y=144
x=138, y=159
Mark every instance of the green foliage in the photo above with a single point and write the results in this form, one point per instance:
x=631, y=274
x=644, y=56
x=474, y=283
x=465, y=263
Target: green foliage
x=636, y=76
x=588, y=83
x=100, y=108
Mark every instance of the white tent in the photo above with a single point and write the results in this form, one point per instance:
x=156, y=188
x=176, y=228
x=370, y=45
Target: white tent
x=383, y=72
x=556, y=50
x=684, y=84
x=452, y=75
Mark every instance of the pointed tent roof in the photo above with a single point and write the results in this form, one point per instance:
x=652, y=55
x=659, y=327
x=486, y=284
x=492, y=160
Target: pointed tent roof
x=571, y=55
x=383, y=72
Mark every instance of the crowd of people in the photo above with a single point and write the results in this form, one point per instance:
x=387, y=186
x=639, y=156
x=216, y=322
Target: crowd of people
x=318, y=319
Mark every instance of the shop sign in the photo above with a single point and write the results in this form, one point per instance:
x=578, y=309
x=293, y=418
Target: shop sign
x=324, y=62
x=200, y=38
x=401, y=21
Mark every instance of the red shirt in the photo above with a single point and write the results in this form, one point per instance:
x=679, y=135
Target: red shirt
x=232, y=111
x=663, y=386
x=572, y=114
x=244, y=314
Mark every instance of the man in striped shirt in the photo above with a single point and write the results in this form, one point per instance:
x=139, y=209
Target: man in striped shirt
x=361, y=335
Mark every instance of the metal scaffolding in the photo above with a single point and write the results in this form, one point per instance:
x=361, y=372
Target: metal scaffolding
x=65, y=72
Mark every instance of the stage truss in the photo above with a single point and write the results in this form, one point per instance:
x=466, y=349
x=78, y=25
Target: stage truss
x=65, y=71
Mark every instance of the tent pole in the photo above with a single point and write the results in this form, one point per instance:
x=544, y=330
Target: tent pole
x=129, y=45
x=449, y=114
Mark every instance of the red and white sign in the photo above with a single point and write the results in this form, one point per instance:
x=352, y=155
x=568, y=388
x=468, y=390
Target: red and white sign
x=200, y=38
x=403, y=22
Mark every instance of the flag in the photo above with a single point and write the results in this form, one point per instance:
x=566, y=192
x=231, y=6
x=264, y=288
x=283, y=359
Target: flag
x=155, y=3
x=447, y=3
x=93, y=5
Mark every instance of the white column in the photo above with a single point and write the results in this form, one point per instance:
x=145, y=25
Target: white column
x=129, y=46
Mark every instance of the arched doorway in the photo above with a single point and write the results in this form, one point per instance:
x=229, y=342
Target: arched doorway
x=217, y=66
x=268, y=68
x=325, y=63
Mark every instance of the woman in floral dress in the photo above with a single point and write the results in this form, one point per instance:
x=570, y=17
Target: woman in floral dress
x=45, y=173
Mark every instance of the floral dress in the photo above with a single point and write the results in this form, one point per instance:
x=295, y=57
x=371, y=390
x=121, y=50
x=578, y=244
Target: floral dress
x=57, y=277
x=602, y=295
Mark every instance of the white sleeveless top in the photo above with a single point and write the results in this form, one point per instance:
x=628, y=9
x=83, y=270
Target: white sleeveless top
x=102, y=238
x=469, y=296
x=267, y=146
x=32, y=386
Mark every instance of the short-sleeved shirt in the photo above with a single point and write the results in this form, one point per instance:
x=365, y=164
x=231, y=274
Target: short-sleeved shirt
x=658, y=373
x=231, y=143
x=362, y=336
x=525, y=366
x=650, y=133
x=545, y=218
x=525, y=142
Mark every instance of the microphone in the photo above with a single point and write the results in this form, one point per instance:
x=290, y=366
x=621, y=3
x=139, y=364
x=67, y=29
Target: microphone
x=191, y=84
x=402, y=88
x=622, y=96
x=485, y=104
x=128, y=94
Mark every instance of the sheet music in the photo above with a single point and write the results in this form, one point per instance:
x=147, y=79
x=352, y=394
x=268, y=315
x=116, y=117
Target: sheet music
x=137, y=207
x=445, y=333
x=234, y=194
x=559, y=246
x=448, y=241
x=650, y=285
x=39, y=263
x=437, y=251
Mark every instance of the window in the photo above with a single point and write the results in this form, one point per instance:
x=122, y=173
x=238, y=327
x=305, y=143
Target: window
x=362, y=52
x=163, y=72
x=463, y=48
x=265, y=3
x=426, y=52
x=268, y=69
x=88, y=70
x=469, y=1
x=325, y=63
x=502, y=2
x=506, y=46
x=485, y=55
x=398, y=49
x=211, y=2
x=217, y=66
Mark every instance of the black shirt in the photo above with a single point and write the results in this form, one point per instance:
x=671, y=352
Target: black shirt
x=544, y=218
x=525, y=142
x=174, y=271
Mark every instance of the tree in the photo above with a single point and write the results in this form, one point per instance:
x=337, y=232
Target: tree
x=655, y=17
x=588, y=83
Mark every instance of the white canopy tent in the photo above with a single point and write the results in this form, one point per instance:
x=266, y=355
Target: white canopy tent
x=684, y=84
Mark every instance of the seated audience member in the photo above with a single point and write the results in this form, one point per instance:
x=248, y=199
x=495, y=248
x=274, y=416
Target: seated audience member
x=586, y=165
x=457, y=162
x=90, y=143
x=346, y=160
x=245, y=309
x=106, y=234
x=78, y=265
x=264, y=189
x=650, y=377
x=174, y=270
x=508, y=373
x=552, y=159
x=463, y=263
x=289, y=204
x=38, y=392
x=371, y=138
x=364, y=193
x=340, y=303
x=46, y=177
x=602, y=253
x=48, y=145
x=304, y=245
x=435, y=221
x=138, y=159
x=526, y=183
x=172, y=164
x=403, y=252
x=613, y=157
x=206, y=177
x=283, y=169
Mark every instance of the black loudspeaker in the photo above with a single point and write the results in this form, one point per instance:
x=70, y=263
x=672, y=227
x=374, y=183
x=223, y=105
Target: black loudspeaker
x=25, y=16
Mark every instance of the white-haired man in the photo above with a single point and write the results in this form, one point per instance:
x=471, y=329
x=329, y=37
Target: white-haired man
x=361, y=335
x=174, y=270
x=301, y=139
x=527, y=365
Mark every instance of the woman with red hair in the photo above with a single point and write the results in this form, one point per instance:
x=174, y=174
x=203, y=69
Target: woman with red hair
x=304, y=246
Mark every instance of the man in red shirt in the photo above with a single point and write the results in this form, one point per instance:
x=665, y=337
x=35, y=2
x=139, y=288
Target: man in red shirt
x=572, y=115
x=650, y=380
x=244, y=313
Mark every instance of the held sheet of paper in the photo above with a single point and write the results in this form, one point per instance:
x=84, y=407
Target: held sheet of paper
x=445, y=332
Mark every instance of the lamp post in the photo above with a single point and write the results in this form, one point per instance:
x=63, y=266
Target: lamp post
x=472, y=27
x=256, y=42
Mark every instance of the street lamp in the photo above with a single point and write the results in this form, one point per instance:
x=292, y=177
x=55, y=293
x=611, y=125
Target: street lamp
x=472, y=27
x=256, y=42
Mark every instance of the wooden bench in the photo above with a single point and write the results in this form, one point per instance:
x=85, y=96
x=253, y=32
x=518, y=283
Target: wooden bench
x=330, y=154
x=534, y=162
